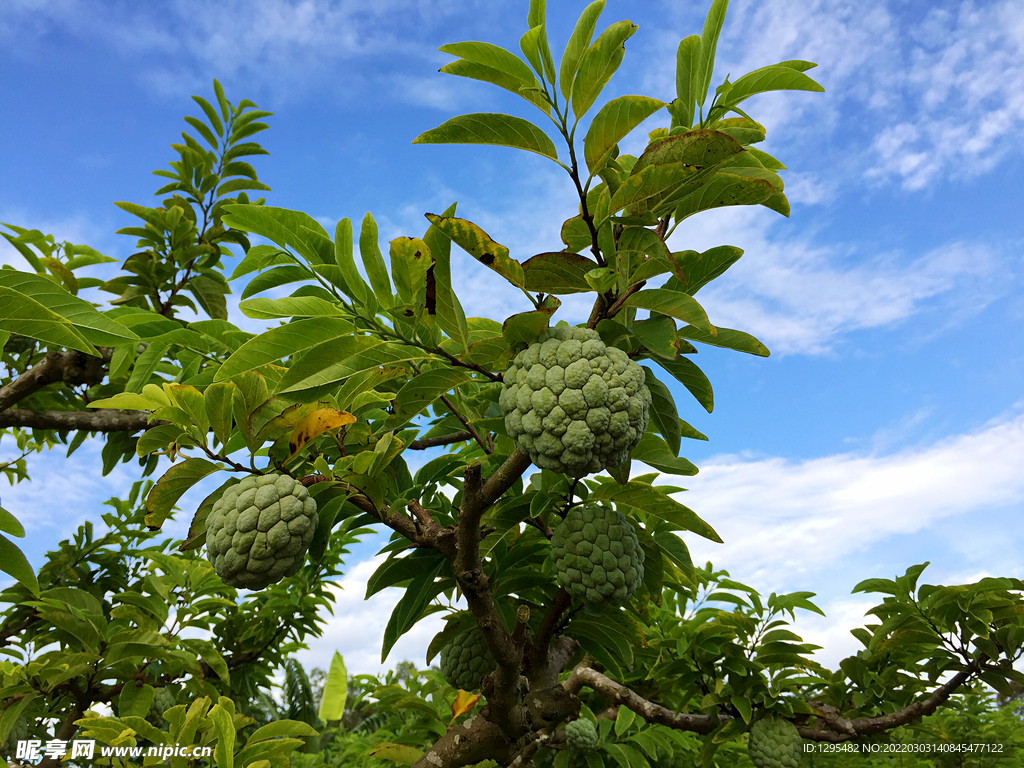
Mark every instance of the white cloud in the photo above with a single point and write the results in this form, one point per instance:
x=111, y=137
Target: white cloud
x=357, y=628
x=783, y=520
x=796, y=296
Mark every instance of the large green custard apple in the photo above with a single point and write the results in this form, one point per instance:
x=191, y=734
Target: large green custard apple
x=258, y=532
x=581, y=736
x=774, y=743
x=573, y=404
x=466, y=660
x=597, y=556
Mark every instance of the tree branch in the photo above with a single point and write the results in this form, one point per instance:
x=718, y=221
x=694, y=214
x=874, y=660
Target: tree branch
x=488, y=449
x=73, y=368
x=424, y=443
x=473, y=741
x=99, y=420
x=840, y=729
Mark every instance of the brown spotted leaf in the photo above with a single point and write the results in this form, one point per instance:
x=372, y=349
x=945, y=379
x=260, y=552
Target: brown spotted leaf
x=479, y=245
x=315, y=424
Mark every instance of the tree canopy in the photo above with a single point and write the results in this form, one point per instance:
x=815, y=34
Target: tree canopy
x=543, y=523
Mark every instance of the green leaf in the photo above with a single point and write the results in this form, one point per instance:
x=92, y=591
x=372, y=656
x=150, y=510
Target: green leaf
x=332, y=703
x=655, y=452
x=492, y=56
x=724, y=189
x=373, y=261
x=686, y=372
x=647, y=189
x=358, y=290
x=411, y=607
x=338, y=359
x=211, y=114
x=688, y=67
x=448, y=310
x=14, y=564
x=672, y=303
x=598, y=65
x=217, y=399
x=490, y=128
x=275, y=277
x=94, y=326
x=284, y=341
x=525, y=327
x=699, y=269
x=702, y=148
x=145, y=364
x=191, y=401
x=23, y=315
x=479, y=245
x=259, y=257
x=727, y=339
x=281, y=728
x=422, y=390
x=664, y=416
x=612, y=123
x=292, y=229
x=290, y=306
x=203, y=130
x=772, y=78
x=411, y=260
x=224, y=752
x=172, y=485
x=559, y=272
x=9, y=524
x=24, y=250
x=210, y=295
x=743, y=129
x=158, y=438
x=576, y=47
x=647, y=500
x=474, y=71
x=398, y=753
x=658, y=335
x=708, y=44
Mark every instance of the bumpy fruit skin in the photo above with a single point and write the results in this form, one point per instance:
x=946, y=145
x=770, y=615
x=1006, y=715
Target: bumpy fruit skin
x=259, y=530
x=466, y=660
x=581, y=735
x=163, y=700
x=774, y=743
x=597, y=556
x=574, y=405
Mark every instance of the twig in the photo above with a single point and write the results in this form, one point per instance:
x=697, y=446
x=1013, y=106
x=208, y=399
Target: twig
x=423, y=443
x=488, y=449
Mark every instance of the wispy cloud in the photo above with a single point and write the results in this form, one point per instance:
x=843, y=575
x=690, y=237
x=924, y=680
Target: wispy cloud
x=782, y=520
x=357, y=627
x=799, y=296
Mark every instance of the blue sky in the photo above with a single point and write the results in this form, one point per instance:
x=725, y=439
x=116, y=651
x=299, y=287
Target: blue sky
x=887, y=427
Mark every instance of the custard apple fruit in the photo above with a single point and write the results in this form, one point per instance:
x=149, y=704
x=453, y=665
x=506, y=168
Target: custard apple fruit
x=259, y=530
x=774, y=743
x=466, y=660
x=581, y=735
x=597, y=556
x=573, y=404
x=163, y=699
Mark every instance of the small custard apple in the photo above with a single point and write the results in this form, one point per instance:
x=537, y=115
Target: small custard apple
x=574, y=405
x=597, y=556
x=466, y=660
x=259, y=530
x=774, y=743
x=581, y=736
x=163, y=699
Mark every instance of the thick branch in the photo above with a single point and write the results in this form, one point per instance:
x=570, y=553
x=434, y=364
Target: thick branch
x=73, y=368
x=504, y=477
x=471, y=742
x=99, y=420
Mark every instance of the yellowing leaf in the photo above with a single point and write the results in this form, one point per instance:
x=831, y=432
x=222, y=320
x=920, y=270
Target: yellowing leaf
x=399, y=753
x=315, y=424
x=464, y=702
